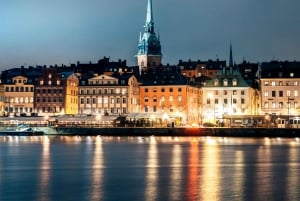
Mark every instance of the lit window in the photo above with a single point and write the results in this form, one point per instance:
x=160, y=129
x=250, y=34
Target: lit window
x=105, y=100
x=234, y=82
x=266, y=105
x=225, y=82
x=216, y=82
x=179, y=98
x=288, y=93
x=266, y=93
x=273, y=83
x=296, y=93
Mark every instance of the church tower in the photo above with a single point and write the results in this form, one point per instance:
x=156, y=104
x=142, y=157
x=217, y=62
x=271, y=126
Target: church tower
x=149, y=49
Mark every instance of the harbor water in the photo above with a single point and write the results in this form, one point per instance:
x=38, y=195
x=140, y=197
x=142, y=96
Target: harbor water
x=71, y=168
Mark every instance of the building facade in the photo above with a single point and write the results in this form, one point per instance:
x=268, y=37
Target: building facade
x=165, y=91
x=117, y=94
x=228, y=96
x=280, y=88
x=56, y=93
x=18, y=96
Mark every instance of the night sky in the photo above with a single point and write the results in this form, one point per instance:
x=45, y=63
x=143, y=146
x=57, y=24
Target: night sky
x=38, y=32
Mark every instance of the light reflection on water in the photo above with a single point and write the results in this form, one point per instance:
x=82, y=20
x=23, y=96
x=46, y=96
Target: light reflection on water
x=45, y=168
x=148, y=168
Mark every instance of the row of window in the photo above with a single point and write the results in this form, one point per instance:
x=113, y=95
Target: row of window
x=155, y=109
x=105, y=110
x=19, y=99
x=225, y=101
x=42, y=82
x=104, y=91
x=281, y=93
x=19, y=109
x=18, y=89
x=154, y=89
x=50, y=109
x=162, y=99
x=225, y=82
x=104, y=100
x=49, y=91
x=281, y=83
x=106, y=82
x=225, y=92
x=280, y=105
x=49, y=99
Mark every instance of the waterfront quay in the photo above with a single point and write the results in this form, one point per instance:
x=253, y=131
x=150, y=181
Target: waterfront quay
x=78, y=126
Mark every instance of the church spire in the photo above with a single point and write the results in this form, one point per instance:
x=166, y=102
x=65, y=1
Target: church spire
x=149, y=25
x=230, y=57
x=149, y=48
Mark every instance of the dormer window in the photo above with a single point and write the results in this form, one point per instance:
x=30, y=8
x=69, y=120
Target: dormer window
x=216, y=82
x=234, y=82
x=225, y=82
x=291, y=74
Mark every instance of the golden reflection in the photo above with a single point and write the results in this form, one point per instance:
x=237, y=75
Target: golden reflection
x=239, y=174
x=45, y=169
x=97, y=171
x=292, y=173
x=176, y=174
x=193, y=171
x=264, y=171
x=152, y=171
x=210, y=184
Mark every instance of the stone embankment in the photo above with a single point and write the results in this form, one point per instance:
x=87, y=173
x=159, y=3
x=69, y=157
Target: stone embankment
x=140, y=131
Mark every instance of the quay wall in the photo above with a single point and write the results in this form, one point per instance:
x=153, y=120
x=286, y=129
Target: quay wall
x=141, y=131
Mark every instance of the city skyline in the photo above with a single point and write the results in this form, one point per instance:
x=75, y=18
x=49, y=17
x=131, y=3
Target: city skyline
x=57, y=32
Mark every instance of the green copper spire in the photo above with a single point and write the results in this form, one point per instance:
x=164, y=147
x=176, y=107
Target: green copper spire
x=149, y=48
x=149, y=26
x=149, y=43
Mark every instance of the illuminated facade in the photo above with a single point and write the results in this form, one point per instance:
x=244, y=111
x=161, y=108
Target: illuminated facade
x=18, y=95
x=228, y=95
x=117, y=94
x=56, y=93
x=280, y=88
x=165, y=90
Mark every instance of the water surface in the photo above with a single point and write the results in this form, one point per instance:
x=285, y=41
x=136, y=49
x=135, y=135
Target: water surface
x=148, y=168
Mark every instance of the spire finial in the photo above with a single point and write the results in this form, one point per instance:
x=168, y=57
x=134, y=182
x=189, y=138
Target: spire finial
x=230, y=57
